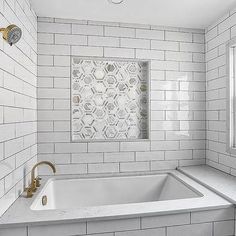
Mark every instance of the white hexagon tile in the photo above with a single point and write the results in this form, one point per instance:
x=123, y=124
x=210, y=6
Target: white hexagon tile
x=109, y=99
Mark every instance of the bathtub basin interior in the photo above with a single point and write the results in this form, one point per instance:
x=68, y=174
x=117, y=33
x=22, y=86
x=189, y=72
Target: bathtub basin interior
x=89, y=192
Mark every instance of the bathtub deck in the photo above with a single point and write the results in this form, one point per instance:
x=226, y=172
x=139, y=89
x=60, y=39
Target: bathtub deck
x=20, y=213
x=220, y=182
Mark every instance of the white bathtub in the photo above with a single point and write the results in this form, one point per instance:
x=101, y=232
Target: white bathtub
x=90, y=192
x=82, y=199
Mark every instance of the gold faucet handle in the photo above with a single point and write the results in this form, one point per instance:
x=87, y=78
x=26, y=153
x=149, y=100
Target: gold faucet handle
x=29, y=192
x=37, y=181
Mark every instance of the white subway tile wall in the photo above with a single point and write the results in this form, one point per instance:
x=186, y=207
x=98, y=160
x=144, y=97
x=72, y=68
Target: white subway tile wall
x=217, y=36
x=177, y=95
x=18, y=103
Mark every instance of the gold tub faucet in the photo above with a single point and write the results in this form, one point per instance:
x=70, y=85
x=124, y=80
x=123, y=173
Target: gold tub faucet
x=35, y=182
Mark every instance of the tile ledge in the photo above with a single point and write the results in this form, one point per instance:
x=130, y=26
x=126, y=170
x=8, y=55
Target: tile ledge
x=219, y=182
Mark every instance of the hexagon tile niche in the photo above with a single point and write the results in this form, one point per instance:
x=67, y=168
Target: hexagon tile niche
x=109, y=99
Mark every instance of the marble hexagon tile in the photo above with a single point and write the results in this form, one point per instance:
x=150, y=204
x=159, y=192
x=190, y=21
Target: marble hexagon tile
x=109, y=99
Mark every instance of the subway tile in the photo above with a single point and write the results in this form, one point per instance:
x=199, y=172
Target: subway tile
x=58, y=229
x=178, y=36
x=87, y=29
x=134, y=166
x=165, y=125
x=192, y=144
x=164, y=85
x=194, y=230
x=103, y=168
x=44, y=60
x=150, y=34
x=113, y=225
x=61, y=60
x=149, y=54
x=53, y=71
x=135, y=146
x=45, y=148
x=165, y=220
x=53, y=93
x=70, y=147
x=150, y=156
x=20, y=231
x=86, y=51
x=178, y=155
x=135, y=43
x=103, y=41
x=68, y=169
x=192, y=47
x=53, y=115
x=87, y=158
x=119, y=157
x=50, y=137
x=46, y=49
x=165, y=65
x=179, y=95
x=213, y=215
x=164, y=105
x=70, y=39
x=61, y=104
x=192, y=66
x=61, y=126
x=45, y=38
x=103, y=147
x=224, y=228
x=179, y=76
x=179, y=115
x=157, y=135
x=165, y=45
x=119, y=52
x=178, y=56
x=54, y=158
x=164, y=145
x=49, y=27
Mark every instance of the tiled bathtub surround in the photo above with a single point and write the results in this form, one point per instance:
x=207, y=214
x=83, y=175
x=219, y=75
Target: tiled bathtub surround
x=203, y=223
x=18, y=126
x=217, y=36
x=177, y=95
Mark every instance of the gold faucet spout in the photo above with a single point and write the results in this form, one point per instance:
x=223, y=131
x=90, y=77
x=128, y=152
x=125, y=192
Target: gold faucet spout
x=35, y=181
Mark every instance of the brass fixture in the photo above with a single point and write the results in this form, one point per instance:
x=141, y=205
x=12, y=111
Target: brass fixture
x=11, y=34
x=35, y=182
x=44, y=200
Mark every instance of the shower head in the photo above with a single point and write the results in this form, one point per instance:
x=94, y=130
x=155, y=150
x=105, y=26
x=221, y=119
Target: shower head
x=11, y=34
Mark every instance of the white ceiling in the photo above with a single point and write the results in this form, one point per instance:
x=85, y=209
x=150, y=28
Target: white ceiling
x=180, y=13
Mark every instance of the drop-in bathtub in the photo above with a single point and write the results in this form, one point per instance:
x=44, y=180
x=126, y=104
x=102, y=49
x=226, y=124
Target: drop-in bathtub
x=75, y=193
x=82, y=199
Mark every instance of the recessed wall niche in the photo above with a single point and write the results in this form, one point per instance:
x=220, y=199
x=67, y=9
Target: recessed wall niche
x=109, y=99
